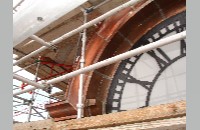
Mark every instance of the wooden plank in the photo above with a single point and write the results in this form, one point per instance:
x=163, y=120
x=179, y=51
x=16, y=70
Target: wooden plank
x=134, y=118
x=153, y=113
x=166, y=124
x=35, y=125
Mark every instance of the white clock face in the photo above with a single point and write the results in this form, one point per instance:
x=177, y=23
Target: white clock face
x=155, y=77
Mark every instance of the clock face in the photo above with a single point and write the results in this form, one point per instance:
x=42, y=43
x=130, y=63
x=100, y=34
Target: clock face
x=155, y=77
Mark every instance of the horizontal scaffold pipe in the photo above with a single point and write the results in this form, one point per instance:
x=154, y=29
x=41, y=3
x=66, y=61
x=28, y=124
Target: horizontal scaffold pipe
x=126, y=55
x=120, y=57
x=79, y=29
x=30, y=82
x=39, y=40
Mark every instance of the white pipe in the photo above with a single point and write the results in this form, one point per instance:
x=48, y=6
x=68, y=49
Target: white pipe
x=15, y=57
x=25, y=90
x=151, y=46
x=143, y=49
x=84, y=26
x=24, y=68
x=39, y=40
x=102, y=3
x=33, y=83
x=30, y=82
x=80, y=104
x=32, y=98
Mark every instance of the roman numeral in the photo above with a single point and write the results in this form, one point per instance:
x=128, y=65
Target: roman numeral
x=161, y=63
x=145, y=84
x=183, y=47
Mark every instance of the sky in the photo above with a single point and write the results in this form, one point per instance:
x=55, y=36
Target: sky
x=39, y=100
x=19, y=110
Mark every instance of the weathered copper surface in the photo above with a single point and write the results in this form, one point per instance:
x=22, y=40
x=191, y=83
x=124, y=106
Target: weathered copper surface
x=97, y=45
x=61, y=110
x=111, y=40
x=99, y=85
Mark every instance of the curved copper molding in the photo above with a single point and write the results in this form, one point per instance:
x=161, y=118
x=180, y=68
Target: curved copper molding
x=97, y=45
x=61, y=110
x=111, y=39
x=98, y=85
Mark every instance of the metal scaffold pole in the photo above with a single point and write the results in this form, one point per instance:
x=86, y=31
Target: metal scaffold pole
x=33, y=92
x=143, y=49
x=80, y=104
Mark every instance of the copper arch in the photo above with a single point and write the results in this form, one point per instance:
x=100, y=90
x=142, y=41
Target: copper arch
x=131, y=23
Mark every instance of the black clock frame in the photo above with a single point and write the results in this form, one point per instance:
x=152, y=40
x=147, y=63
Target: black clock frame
x=178, y=23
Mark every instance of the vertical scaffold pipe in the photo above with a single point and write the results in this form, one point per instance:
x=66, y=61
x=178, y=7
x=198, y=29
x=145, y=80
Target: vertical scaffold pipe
x=33, y=94
x=80, y=104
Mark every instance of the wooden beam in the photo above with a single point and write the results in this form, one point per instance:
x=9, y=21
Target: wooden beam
x=165, y=111
x=166, y=124
x=35, y=125
x=170, y=115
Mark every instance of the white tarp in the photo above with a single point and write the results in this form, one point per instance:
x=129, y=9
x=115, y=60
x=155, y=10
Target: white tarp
x=33, y=15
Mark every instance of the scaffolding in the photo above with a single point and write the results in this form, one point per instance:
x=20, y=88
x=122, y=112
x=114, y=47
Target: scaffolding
x=45, y=83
